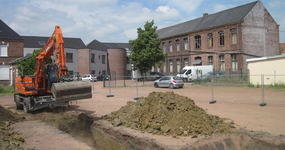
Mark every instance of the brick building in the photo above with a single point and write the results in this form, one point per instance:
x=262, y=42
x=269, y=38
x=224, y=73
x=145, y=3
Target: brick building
x=11, y=47
x=282, y=48
x=224, y=39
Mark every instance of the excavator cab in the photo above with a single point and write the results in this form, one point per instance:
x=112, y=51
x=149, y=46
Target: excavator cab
x=51, y=75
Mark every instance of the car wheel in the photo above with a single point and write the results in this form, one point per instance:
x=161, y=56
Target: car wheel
x=156, y=85
x=171, y=86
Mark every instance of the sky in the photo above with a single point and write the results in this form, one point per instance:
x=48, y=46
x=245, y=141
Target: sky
x=114, y=21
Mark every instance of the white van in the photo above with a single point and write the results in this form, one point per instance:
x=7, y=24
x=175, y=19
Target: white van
x=189, y=73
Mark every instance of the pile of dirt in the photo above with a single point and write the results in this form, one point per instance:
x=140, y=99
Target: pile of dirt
x=168, y=114
x=9, y=139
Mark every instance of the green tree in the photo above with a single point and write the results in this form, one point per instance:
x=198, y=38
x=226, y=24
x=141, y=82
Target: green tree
x=29, y=65
x=145, y=49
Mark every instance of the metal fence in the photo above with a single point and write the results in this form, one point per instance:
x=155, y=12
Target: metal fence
x=220, y=80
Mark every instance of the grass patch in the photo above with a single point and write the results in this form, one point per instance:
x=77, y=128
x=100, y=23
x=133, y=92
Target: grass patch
x=250, y=85
x=277, y=86
x=7, y=90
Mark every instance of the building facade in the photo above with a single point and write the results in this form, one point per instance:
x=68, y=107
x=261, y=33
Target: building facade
x=224, y=39
x=11, y=47
x=98, y=57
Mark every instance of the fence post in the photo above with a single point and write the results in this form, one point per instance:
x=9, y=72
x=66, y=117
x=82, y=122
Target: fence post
x=93, y=87
x=262, y=90
x=212, y=91
x=109, y=90
x=124, y=79
x=274, y=77
x=136, y=98
x=104, y=79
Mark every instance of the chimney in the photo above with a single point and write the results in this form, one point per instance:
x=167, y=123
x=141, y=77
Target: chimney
x=205, y=14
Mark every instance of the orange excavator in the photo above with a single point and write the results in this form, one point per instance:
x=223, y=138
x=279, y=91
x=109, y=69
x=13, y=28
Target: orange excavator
x=45, y=88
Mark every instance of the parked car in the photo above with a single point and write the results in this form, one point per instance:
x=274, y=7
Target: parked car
x=100, y=78
x=76, y=77
x=209, y=74
x=89, y=77
x=66, y=78
x=169, y=81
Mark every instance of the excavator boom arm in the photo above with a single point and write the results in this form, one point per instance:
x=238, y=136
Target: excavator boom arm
x=55, y=47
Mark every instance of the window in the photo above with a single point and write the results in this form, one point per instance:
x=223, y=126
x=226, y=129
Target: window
x=177, y=46
x=222, y=38
x=198, y=61
x=42, y=42
x=93, y=72
x=186, y=44
x=186, y=61
x=198, y=42
x=103, y=59
x=4, y=72
x=69, y=57
x=170, y=47
x=210, y=40
x=234, y=63
x=152, y=68
x=158, y=69
x=170, y=66
x=234, y=36
x=3, y=50
x=128, y=60
x=178, y=65
x=92, y=58
x=69, y=72
x=222, y=62
x=210, y=60
x=163, y=47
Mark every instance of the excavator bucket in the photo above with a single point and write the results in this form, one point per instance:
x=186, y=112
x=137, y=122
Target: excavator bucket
x=69, y=91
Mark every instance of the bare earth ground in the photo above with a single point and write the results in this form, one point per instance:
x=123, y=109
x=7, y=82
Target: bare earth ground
x=240, y=104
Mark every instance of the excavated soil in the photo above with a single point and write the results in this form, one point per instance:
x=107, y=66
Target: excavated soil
x=9, y=139
x=175, y=122
x=169, y=114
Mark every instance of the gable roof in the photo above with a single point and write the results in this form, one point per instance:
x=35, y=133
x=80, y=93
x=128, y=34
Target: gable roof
x=28, y=55
x=233, y=15
x=7, y=32
x=126, y=46
x=96, y=45
x=34, y=42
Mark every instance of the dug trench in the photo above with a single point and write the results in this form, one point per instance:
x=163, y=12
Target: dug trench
x=159, y=121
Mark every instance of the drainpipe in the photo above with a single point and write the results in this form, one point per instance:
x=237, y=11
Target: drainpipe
x=11, y=76
x=237, y=37
x=189, y=50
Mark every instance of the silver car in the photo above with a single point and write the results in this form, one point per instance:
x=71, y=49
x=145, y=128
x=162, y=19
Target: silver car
x=169, y=81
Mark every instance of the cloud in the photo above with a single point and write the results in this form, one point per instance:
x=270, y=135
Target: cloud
x=221, y=7
x=187, y=6
x=276, y=3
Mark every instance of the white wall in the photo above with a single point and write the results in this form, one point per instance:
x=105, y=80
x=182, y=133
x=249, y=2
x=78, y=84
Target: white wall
x=273, y=70
x=74, y=65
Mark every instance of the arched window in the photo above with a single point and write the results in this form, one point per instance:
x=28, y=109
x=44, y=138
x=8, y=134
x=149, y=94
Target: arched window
x=222, y=38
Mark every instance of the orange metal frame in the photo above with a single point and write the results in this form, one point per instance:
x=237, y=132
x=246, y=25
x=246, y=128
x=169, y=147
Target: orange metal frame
x=55, y=47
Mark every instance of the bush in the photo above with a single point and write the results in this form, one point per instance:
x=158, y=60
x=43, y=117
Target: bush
x=250, y=85
x=7, y=90
x=279, y=85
